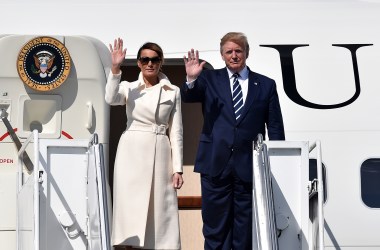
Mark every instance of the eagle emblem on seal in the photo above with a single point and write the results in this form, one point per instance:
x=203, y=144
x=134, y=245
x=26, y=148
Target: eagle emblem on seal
x=44, y=61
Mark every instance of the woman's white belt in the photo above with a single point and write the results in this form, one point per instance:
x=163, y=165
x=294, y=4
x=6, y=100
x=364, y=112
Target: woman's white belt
x=154, y=128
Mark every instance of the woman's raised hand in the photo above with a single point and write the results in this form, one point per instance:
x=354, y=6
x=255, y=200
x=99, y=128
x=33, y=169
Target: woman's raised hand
x=117, y=55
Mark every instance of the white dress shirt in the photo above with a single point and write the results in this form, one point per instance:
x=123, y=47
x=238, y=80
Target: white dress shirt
x=243, y=80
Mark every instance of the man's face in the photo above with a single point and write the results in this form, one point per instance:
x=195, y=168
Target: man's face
x=234, y=56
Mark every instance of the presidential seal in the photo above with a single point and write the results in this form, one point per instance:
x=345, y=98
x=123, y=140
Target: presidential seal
x=43, y=63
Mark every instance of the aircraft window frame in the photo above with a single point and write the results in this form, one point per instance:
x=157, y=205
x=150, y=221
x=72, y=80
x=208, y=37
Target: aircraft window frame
x=369, y=182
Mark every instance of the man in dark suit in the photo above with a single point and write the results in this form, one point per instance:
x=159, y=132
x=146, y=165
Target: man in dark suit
x=237, y=104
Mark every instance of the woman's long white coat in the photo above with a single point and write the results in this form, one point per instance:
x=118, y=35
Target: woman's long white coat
x=145, y=209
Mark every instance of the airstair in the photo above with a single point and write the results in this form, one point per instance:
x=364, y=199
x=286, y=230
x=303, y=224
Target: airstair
x=62, y=198
x=287, y=207
x=56, y=88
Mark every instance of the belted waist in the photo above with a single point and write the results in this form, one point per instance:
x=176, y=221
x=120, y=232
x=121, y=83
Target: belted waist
x=154, y=128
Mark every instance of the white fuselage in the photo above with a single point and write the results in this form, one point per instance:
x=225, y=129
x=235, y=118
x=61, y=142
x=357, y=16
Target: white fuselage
x=324, y=94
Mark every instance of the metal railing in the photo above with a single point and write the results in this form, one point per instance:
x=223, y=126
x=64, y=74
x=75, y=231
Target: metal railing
x=34, y=173
x=263, y=217
x=317, y=145
x=25, y=158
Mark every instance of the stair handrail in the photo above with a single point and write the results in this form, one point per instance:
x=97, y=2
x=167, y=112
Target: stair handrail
x=21, y=157
x=25, y=158
x=317, y=145
x=266, y=187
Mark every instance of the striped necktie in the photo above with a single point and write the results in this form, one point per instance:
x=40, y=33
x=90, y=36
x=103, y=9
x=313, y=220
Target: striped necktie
x=237, y=96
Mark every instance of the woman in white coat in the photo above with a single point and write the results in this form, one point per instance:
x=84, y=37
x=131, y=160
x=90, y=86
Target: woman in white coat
x=148, y=164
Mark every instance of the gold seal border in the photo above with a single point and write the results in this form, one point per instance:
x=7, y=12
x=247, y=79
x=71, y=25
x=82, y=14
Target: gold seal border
x=24, y=52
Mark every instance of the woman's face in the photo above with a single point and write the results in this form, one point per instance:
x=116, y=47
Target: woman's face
x=149, y=63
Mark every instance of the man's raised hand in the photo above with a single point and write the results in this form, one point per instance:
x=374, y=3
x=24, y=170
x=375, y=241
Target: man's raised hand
x=192, y=65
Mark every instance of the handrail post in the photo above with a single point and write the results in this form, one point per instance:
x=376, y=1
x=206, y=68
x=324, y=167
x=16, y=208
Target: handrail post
x=317, y=145
x=320, y=196
x=263, y=218
x=36, y=190
x=36, y=205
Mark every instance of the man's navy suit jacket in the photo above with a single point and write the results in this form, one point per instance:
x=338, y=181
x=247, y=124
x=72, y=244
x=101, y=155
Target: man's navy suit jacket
x=222, y=135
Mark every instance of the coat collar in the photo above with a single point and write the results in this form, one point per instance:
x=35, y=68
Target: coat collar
x=162, y=91
x=162, y=81
x=243, y=73
x=225, y=90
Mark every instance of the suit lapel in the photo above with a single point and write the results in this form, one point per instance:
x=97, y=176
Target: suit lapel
x=225, y=90
x=253, y=90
